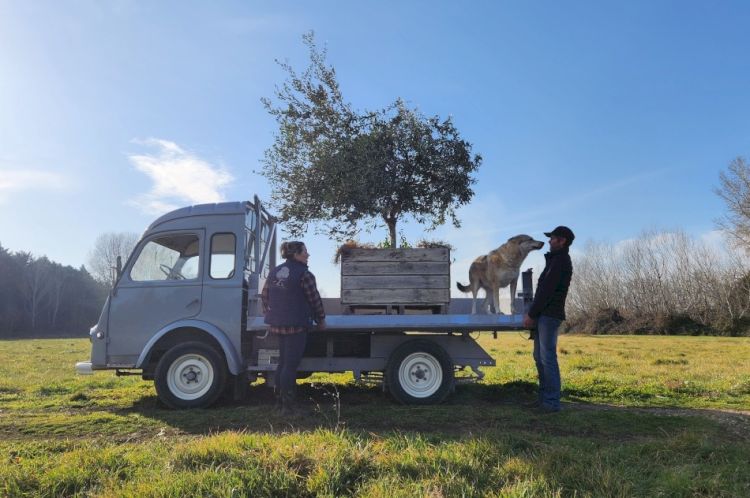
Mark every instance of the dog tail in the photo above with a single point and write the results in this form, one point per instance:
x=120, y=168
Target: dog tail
x=463, y=288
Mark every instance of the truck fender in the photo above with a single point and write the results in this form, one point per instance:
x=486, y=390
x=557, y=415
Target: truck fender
x=234, y=364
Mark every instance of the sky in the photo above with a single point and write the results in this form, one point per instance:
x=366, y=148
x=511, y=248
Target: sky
x=608, y=117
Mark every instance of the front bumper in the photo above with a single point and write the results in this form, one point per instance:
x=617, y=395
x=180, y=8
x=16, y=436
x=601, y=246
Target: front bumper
x=84, y=368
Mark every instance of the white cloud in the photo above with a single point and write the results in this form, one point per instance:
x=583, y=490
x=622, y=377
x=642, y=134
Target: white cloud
x=179, y=178
x=18, y=180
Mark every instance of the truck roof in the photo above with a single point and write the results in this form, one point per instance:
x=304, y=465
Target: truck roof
x=218, y=208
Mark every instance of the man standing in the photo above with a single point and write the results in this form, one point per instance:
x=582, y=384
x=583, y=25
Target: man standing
x=547, y=313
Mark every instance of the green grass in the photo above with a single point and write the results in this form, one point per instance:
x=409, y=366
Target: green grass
x=644, y=416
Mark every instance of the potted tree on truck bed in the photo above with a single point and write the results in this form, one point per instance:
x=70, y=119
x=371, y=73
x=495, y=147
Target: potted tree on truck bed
x=338, y=168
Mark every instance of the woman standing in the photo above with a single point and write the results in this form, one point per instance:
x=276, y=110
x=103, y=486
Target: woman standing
x=291, y=303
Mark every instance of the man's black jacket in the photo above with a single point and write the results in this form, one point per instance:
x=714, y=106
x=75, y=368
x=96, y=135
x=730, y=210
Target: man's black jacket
x=552, y=288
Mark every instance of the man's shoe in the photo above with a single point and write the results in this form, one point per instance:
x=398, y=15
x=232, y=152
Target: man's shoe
x=546, y=409
x=288, y=411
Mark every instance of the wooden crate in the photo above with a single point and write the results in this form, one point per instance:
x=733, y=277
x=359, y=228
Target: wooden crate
x=395, y=280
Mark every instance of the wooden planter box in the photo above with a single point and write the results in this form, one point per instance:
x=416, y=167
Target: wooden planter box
x=395, y=280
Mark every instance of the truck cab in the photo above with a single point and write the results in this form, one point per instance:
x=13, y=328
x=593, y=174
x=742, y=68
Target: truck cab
x=192, y=279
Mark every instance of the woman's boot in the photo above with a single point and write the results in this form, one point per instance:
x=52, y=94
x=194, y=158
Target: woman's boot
x=288, y=402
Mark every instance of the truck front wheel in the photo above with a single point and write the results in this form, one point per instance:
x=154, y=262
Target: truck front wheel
x=420, y=372
x=190, y=375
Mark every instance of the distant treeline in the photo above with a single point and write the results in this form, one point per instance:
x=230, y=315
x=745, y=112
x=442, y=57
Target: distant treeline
x=660, y=283
x=41, y=298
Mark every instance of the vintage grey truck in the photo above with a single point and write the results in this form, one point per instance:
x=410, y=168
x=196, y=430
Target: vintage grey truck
x=185, y=312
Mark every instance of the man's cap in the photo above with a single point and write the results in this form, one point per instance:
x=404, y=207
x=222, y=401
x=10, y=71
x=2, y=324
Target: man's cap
x=562, y=231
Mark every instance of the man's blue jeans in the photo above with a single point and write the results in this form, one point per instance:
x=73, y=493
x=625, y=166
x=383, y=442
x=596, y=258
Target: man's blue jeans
x=545, y=356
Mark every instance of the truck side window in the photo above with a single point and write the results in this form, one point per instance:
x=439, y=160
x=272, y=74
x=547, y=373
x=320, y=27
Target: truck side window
x=222, y=255
x=171, y=257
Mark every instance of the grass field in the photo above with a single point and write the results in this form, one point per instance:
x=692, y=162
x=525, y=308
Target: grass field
x=643, y=416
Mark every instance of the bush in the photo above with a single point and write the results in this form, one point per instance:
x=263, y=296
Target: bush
x=660, y=283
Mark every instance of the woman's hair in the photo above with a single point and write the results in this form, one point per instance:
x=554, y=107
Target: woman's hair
x=289, y=249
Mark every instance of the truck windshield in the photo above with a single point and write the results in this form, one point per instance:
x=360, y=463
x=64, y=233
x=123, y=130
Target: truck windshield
x=173, y=257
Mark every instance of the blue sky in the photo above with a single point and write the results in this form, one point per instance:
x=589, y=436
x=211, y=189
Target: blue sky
x=609, y=117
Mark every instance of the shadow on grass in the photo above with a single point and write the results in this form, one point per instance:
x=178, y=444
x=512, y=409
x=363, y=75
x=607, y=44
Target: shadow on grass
x=472, y=409
x=326, y=405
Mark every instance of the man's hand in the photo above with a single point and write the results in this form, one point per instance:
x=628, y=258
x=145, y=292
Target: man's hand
x=321, y=325
x=528, y=322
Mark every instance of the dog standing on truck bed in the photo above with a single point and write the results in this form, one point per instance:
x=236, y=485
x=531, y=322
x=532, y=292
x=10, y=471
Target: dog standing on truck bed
x=498, y=269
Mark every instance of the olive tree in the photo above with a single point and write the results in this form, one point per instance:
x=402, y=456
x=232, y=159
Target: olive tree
x=335, y=167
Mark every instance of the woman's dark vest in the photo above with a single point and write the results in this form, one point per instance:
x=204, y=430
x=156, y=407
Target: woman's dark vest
x=287, y=304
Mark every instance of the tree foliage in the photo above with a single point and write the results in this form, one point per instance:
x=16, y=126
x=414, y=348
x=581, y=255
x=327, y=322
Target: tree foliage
x=333, y=166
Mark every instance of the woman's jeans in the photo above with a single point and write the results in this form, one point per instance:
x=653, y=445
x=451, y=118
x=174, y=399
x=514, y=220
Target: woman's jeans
x=291, y=348
x=545, y=356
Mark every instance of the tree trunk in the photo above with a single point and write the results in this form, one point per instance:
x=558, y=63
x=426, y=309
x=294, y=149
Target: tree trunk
x=391, y=222
x=58, y=283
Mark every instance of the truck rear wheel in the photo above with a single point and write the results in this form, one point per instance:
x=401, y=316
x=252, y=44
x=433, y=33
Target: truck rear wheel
x=420, y=372
x=190, y=375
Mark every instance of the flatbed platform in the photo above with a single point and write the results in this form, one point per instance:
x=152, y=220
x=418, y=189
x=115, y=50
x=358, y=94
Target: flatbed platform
x=413, y=323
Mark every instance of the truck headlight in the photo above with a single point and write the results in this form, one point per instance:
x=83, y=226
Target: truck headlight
x=94, y=333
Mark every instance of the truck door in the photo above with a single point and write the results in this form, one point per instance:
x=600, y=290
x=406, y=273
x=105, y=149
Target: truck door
x=222, y=286
x=160, y=285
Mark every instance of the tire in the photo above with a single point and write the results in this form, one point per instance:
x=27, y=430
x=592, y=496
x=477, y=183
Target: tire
x=190, y=375
x=420, y=372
